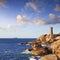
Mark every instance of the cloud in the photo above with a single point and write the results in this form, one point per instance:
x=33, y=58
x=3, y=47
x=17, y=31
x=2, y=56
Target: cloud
x=22, y=20
x=53, y=19
x=57, y=8
x=40, y=22
x=52, y=16
x=33, y=6
x=2, y=3
x=10, y=26
x=2, y=28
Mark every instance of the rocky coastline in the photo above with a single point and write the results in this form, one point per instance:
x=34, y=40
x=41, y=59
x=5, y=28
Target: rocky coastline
x=47, y=45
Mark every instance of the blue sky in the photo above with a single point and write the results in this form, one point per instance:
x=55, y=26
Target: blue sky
x=28, y=18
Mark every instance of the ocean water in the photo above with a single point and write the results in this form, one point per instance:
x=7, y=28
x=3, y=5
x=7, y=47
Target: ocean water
x=11, y=50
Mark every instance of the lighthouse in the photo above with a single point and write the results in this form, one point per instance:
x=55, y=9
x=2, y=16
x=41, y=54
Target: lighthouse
x=51, y=32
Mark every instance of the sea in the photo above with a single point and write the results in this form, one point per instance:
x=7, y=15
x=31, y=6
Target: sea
x=11, y=49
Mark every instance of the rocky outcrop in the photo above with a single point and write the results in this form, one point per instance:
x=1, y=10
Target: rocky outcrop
x=55, y=45
x=49, y=57
x=46, y=38
x=52, y=51
x=39, y=51
x=56, y=48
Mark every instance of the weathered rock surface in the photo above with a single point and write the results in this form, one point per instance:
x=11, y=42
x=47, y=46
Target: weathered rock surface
x=49, y=57
x=47, y=40
x=56, y=48
x=39, y=51
x=52, y=41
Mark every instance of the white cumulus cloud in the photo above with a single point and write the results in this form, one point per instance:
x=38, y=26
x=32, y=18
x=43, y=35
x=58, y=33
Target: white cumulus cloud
x=57, y=8
x=52, y=16
x=39, y=22
x=2, y=3
x=10, y=26
x=53, y=19
x=22, y=20
x=33, y=6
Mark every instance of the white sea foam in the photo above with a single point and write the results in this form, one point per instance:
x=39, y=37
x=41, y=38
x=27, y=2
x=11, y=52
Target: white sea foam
x=37, y=58
x=32, y=59
x=26, y=52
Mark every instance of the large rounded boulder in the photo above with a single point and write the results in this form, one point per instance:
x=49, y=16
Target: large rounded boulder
x=49, y=57
x=56, y=48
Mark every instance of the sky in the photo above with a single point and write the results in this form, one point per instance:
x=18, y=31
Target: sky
x=28, y=18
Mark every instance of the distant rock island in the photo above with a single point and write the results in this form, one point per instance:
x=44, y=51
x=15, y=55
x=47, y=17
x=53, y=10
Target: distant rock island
x=47, y=45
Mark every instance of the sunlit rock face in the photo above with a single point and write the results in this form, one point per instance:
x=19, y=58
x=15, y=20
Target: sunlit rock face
x=49, y=57
x=44, y=38
x=51, y=37
x=47, y=40
x=58, y=53
x=57, y=38
x=47, y=45
x=40, y=52
x=56, y=48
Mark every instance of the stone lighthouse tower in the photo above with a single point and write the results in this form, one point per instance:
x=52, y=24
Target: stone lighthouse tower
x=51, y=32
